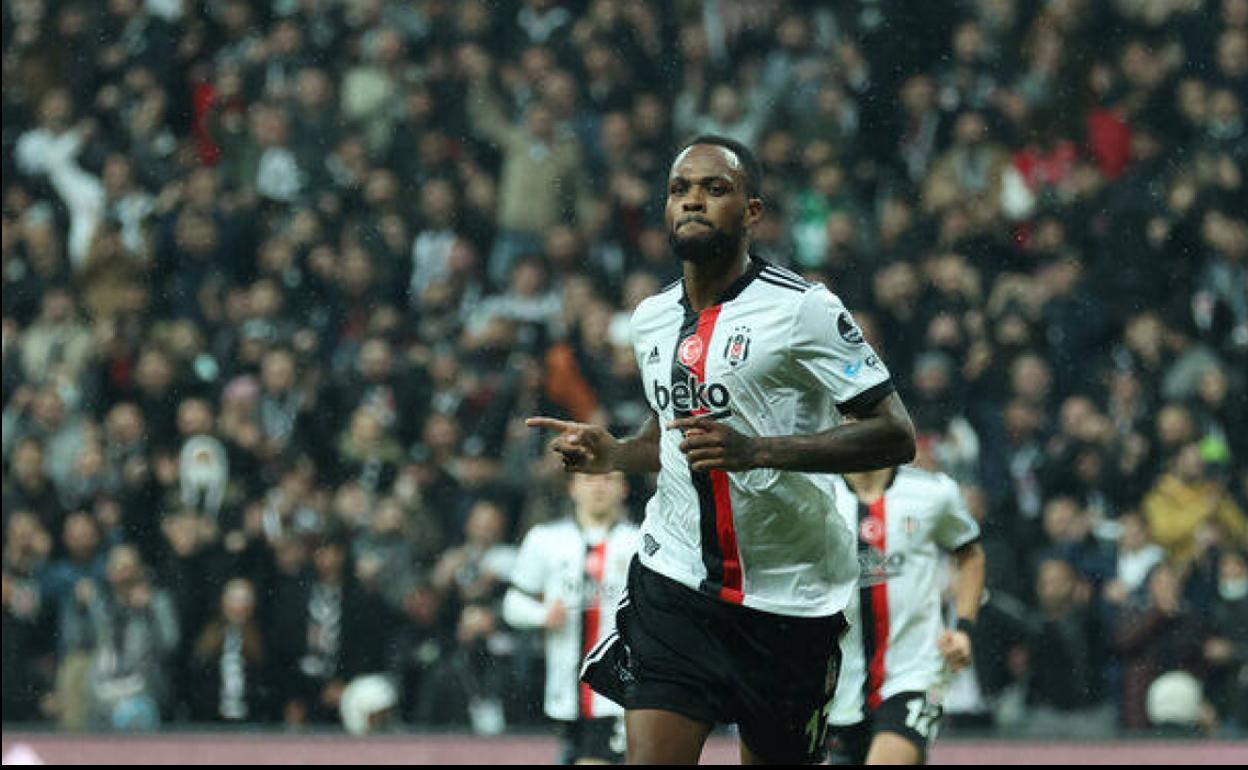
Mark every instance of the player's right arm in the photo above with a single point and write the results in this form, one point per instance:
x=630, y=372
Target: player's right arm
x=591, y=449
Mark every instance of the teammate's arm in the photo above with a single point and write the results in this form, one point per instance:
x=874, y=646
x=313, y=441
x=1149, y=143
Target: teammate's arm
x=968, y=587
x=881, y=436
x=591, y=449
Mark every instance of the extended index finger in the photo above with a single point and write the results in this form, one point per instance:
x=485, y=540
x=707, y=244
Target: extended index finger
x=550, y=423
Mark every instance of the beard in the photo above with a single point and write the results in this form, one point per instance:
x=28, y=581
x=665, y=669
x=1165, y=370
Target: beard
x=710, y=246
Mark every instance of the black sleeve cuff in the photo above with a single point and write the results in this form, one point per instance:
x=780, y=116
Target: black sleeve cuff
x=861, y=404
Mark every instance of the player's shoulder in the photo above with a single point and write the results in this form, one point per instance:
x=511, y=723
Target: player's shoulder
x=662, y=301
x=933, y=486
x=548, y=530
x=782, y=280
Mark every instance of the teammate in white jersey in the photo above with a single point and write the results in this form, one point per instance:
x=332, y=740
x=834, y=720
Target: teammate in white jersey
x=734, y=609
x=568, y=578
x=897, y=652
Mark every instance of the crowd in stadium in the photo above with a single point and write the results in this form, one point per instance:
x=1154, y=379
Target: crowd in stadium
x=282, y=281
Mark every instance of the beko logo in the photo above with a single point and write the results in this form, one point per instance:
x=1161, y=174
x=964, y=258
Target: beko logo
x=691, y=396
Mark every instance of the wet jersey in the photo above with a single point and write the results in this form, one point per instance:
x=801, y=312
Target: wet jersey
x=775, y=356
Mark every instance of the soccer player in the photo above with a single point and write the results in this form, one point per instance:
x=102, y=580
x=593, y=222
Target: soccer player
x=733, y=610
x=898, y=654
x=567, y=579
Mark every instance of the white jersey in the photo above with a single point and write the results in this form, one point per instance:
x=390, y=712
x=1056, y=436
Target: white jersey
x=895, y=620
x=586, y=571
x=776, y=356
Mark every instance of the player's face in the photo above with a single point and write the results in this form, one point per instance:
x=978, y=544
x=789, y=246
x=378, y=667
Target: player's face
x=708, y=212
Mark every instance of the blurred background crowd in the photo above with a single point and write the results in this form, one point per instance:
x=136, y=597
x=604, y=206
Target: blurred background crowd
x=282, y=279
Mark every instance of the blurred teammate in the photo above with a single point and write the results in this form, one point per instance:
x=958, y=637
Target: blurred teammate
x=567, y=579
x=733, y=611
x=898, y=652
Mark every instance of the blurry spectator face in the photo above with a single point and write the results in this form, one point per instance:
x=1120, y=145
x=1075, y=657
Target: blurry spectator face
x=708, y=210
x=182, y=533
x=357, y=272
x=125, y=424
x=541, y=123
x=968, y=42
x=1055, y=586
x=693, y=43
x=437, y=199
x=313, y=88
x=1174, y=425
x=290, y=555
x=375, y=360
x=366, y=429
x=725, y=104
x=597, y=496
x=49, y=409
x=118, y=176
x=123, y=566
x=389, y=517
x=329, y=559
x=277, y=371
x=528, y=278
x=637, y=287
x=1163, y=586
x=1225, y=114
x=56, y=111
x=194, y=417
x=1189, y=465
x=649, y=115
x=1233, y=53
x=28, y=461
x=1193, y=100
x=154, y=372
x=918, y=95
x=616, y=134
x=1030, y=378
x=58, y=307
x=196, y=235
x=1061, y=521
x=1232, y=576
x=81, y=536
x=1214, y=387
x=441, y=435
x=970, y=130
x=238, y=602
x=1134, y=533
x=486, y=525
x=792, y=33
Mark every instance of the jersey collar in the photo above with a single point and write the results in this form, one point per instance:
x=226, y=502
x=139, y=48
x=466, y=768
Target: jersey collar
x=734, y=289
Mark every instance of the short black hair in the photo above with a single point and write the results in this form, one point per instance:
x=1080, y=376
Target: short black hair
x=753, y=170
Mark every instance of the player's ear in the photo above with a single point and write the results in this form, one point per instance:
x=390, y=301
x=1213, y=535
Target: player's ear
x=753, y=211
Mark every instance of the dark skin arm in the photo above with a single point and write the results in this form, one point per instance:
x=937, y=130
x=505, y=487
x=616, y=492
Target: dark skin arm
x=881, y=437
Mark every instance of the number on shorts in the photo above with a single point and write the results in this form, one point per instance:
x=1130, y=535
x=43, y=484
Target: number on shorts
x=921, y=716
x=817, y=727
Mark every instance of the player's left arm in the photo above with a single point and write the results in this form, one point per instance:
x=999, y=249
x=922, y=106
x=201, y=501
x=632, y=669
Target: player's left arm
x=968, y=587
x=880, y=436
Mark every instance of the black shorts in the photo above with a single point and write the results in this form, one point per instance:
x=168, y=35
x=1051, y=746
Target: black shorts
x=680, y=650
x=601, y=738
x=908, y=714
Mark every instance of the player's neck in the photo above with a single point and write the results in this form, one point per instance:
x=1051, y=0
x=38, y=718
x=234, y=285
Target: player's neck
x=705, y=282
x=595, y=521
x=872, y=485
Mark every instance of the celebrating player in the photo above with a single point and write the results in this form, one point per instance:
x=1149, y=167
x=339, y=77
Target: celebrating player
x=567, y=579
x=733, y=610
x=887, y=707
